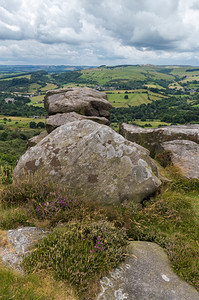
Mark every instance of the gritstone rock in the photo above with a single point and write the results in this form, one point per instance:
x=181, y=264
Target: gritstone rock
x=20, y=242
x=184, y=155
x=57, y=120
x=145, y=275
x=36, y=139
x=83, y=101
x=95, y=159
x=153, y=137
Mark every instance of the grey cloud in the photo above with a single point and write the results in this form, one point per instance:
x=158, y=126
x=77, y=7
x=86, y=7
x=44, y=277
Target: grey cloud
x=140, y=24
x=97, y=30
x=195, y=5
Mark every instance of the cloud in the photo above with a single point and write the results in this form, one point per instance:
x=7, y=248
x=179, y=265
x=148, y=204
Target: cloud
x=92, y=31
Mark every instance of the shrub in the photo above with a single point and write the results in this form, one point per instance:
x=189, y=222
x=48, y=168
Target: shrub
x=79, y=253
x=32, y=188
x=12, y=218
x=45, y=200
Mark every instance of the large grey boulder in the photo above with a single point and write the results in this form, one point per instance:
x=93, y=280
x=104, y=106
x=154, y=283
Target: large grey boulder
x=153, y=137
x=20, y=242
x=185, y=155
x=145, y=275
x=94, y=158
x=57, y=120
x=83, y=101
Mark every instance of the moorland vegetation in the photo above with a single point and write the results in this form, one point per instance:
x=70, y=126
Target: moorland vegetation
x=79, y=228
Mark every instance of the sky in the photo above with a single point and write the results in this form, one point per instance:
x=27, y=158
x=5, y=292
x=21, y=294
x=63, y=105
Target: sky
x=98, y=32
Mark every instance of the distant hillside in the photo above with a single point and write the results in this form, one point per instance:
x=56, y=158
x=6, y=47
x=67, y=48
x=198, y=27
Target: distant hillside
x=33, y=68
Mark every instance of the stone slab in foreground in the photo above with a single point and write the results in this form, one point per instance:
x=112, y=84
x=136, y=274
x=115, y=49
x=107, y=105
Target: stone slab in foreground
x=20, y=242
x=145, y=275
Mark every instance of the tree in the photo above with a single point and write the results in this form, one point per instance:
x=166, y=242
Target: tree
x=126, y=97
x=33, y=124
x=41, y=125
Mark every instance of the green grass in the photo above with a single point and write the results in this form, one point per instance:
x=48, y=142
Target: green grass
x=18, y=122
x=170, y=219
x=13, y=217
x=154, y=85
x=36, y=99
x=34, y=87
x=49, y=86
x=135, y=98
x=176, y=85
x=104, y=75
x=154, y=123
x=74, y=85
x=17, y=77
x=32, y=287
x=99, y=247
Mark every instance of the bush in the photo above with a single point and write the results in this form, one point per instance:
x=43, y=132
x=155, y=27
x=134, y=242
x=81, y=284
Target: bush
x=79, y=253
x=45, y=200
x=32, y=189
x=13, y=218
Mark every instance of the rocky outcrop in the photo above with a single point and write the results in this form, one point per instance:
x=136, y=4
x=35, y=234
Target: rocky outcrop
x=185, y=155
x=36, y=139
x=178, y=145
x=69, y=105
x=146, y=274
x=94, y=158
x=153, y=137
x=83, y=101
x=57, y=120
x=20, y=242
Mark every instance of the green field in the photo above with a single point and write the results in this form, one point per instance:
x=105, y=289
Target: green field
x=36, y=99
x=135, y=98
x=104, y=75
x=34, y=87
x=154, y=124
x=18, y=122
x=17, y=77
x=49, y=86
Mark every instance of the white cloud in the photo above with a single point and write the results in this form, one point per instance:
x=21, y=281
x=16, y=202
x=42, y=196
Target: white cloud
x=100, y=31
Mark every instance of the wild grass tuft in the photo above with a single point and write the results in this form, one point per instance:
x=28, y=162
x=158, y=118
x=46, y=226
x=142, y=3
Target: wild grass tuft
x=79, y=253
x=32, y=287
x=170, y=219
x=13, y=217
x=29, y=189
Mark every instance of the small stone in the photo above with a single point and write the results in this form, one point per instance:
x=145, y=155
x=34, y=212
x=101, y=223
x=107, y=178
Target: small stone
x=20, y=242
